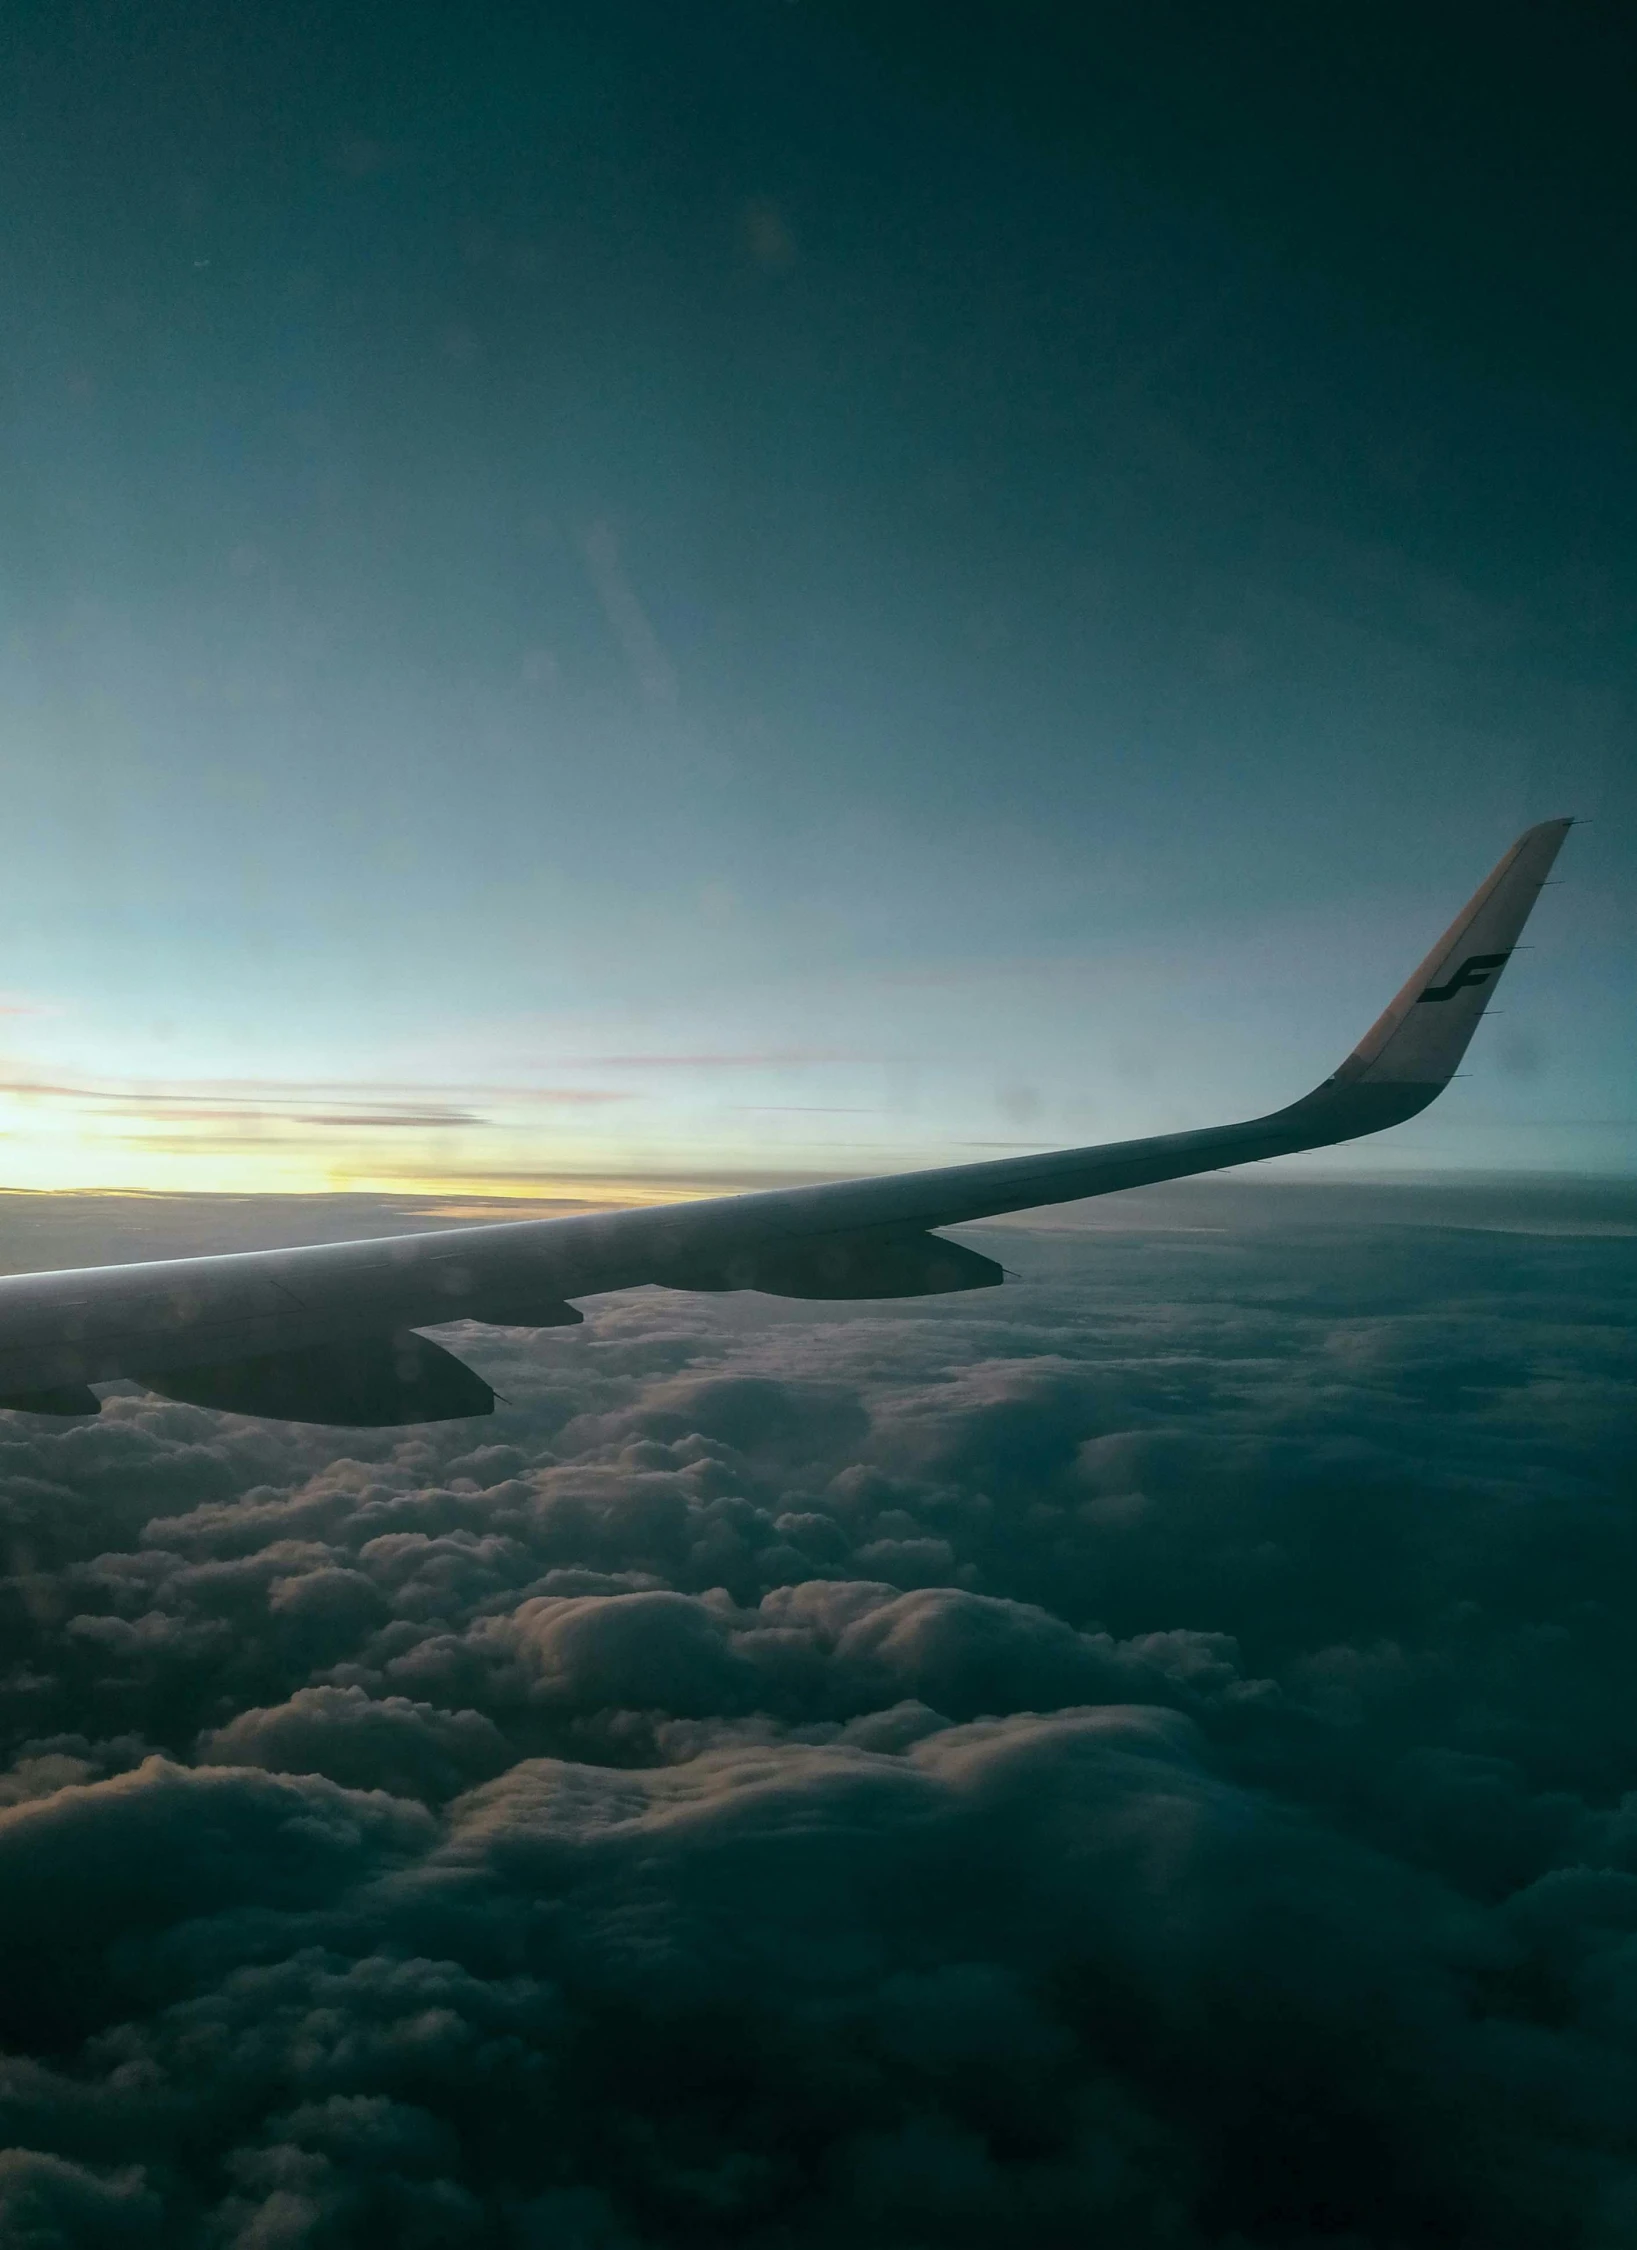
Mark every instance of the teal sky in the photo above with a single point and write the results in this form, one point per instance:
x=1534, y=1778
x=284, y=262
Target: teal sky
x=659, y=596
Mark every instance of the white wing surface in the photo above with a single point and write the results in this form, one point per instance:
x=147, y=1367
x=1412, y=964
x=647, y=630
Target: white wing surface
x=329, y=1333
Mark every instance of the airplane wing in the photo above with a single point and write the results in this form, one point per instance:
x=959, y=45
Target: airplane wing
x=329, y=1333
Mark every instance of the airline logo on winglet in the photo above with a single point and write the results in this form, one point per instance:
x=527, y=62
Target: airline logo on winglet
x=1477, y=968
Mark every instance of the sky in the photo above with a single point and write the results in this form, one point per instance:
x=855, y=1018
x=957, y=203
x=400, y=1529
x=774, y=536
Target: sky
x=609, y=601
x=1145, y=1756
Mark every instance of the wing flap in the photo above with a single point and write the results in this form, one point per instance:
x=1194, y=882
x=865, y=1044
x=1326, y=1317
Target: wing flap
x=838, y=1267
x=65, y=1400
x=356, y=1382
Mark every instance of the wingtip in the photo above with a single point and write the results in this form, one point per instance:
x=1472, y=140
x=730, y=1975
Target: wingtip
x=1409, y=1044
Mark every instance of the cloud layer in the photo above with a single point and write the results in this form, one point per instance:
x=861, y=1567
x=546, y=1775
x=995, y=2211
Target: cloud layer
x=1148, y=1757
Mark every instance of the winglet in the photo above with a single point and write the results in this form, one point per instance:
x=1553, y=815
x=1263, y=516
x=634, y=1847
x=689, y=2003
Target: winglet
x=1419, y=1038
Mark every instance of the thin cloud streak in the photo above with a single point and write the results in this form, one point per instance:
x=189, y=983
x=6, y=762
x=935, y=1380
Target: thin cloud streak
x=655, y=673
x=271, y=1095
x=773, y=1058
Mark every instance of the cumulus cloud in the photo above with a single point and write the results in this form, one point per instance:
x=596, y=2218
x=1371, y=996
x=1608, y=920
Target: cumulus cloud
x=1146, y=1757
x=387, y=1742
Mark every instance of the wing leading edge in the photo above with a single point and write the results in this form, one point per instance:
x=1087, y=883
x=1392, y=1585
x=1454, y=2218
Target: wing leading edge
x=326, y=1333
